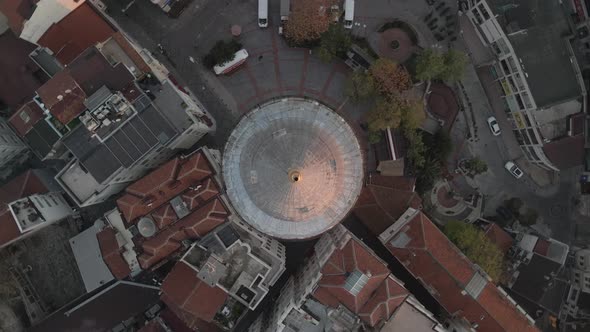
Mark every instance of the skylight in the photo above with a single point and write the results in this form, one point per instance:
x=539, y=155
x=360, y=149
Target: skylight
x=355, y=282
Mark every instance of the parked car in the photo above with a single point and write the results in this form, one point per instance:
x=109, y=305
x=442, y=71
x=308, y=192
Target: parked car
x=513, y=169
x=494, y=127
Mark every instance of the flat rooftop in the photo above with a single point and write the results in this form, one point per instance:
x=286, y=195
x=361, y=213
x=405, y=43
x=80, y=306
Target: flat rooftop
x=542, y=47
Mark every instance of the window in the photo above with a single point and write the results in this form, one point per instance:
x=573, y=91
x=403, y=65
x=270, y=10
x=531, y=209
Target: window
x=484, y=12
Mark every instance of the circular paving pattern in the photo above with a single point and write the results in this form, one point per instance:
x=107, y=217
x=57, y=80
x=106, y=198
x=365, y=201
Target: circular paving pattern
x=395, y=37
x=293, y=168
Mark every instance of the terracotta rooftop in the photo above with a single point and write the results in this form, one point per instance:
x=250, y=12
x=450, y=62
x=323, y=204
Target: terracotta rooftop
x=195, y=225
x=63, y=97
x=111, y=254
x=188, y=179
x=566, y=152
x=452, y=279
x=190, y=298
x=376, y=299
x=92, y=70
x=21, y=186
x=131, y=52
x=163, y=184
x=79, y=30
x=384, y=200
x=20, y=76
x=25, y=118
x=499, y=236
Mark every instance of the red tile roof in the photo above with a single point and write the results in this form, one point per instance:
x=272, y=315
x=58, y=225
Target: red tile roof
x=80, y=29
x=163, y=184
x=542, y=247
x=131, y=52
x=19, y=74
x=566, y=152
x=25, y=118
x=499, y=236
x=63, y=97
x=386, y=299
x=376, y=300
x=195, y=225
x=384, y=200
x=111, y=253
x=445, y=271
x=92, y=70
x=21, y=186
x=190, y=298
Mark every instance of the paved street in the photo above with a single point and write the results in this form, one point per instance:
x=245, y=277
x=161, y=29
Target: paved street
x=552, y=195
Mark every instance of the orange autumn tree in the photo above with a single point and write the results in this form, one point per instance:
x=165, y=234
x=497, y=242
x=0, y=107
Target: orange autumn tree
x=308, y=20
x=390, y=78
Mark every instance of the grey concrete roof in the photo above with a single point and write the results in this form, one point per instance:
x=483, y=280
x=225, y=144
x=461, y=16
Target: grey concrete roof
x=293, y=168
x=542, y=48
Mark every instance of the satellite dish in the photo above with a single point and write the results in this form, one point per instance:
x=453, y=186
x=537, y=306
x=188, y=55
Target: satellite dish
x=146, y=227
x=60, y=97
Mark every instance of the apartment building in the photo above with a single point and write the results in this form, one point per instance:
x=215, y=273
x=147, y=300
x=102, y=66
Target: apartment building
x=28, y=203
x=109, y=109
x=537, y=73
x=470, y=298
x=344, y=286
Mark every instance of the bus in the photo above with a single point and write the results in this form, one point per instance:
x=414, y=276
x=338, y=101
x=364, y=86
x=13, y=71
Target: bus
x=226, y=68
x=348, y=13
x=263, y=13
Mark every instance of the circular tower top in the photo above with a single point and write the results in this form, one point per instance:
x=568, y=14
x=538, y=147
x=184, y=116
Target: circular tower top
x=293, y=168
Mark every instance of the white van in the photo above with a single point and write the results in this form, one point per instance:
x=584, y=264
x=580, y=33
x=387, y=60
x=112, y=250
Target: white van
x=348, y=13
x=263, y=13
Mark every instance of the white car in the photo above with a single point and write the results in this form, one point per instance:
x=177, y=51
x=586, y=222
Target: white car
x=513, y=169
x=494, y=127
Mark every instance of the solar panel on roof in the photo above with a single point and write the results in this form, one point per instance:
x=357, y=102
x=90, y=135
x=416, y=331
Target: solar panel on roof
x=355, y=282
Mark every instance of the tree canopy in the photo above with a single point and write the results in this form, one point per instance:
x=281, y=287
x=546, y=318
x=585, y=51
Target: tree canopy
x=308, y=20
x=335, y=42
x=477, y=247
x=390, y=78
x=432, y=65
x=395, y=111
x=359, y=86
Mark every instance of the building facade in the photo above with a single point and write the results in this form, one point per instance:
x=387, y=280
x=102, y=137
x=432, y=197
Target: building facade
x=533, y=64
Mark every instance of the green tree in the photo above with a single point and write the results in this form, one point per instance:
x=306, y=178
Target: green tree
x=359, y=86
x=449, y=66
x=387, y=113
x=416, y=149
x=529, y=217
x=476, y=166
x=440, y=145
x=335, y=42
x=429, y=65
x=454, y=67
x=412, y=112
x=476, y=246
